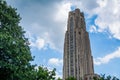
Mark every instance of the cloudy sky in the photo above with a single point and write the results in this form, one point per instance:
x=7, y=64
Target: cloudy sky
x=45, y=23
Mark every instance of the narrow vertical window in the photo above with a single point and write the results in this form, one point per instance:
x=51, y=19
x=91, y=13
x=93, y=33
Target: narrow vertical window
x=71, y=24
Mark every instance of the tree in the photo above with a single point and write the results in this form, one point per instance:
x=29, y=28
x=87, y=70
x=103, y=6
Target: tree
x=59, y=78
x=104, y=77
x=42, y=73
x=71, y=78
x=15, y=55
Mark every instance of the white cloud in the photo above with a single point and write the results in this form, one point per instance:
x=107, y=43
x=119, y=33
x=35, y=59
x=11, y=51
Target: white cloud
x=61, y=14
x=107, y=58
x=93, y=28
x=86, y=6
x=39, y=43
x=48, y=26
x=109, y=17
x=55, y=61
x=53, y=19
x=107, y=11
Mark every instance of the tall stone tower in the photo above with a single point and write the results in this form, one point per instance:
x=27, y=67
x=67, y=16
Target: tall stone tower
x=78, y=61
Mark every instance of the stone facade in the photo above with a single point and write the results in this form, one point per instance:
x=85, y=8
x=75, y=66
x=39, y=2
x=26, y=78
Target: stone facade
x=78, y=60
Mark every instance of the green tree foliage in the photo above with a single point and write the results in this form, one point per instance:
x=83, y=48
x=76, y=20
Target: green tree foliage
x=15, y=54
x=103, y=77
x=42, y=73
x=71, y=78
x=59, y=78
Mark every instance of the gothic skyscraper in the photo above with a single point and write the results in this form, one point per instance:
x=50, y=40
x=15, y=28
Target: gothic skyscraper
x=78, y=61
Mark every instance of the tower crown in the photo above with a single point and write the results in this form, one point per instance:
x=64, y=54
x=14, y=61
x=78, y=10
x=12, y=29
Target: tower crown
x=78, y=19
x=77, y=10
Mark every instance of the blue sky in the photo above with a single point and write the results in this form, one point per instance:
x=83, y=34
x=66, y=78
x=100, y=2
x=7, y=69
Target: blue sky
x=45, y=23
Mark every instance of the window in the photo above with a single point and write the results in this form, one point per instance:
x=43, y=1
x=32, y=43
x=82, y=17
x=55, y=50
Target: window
x=71, y=24
x=77, y=23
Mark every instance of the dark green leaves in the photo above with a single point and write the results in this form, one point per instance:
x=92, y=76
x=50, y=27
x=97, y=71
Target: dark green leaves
x=15, y=55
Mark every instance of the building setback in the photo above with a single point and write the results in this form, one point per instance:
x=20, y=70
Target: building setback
x=78, y=61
